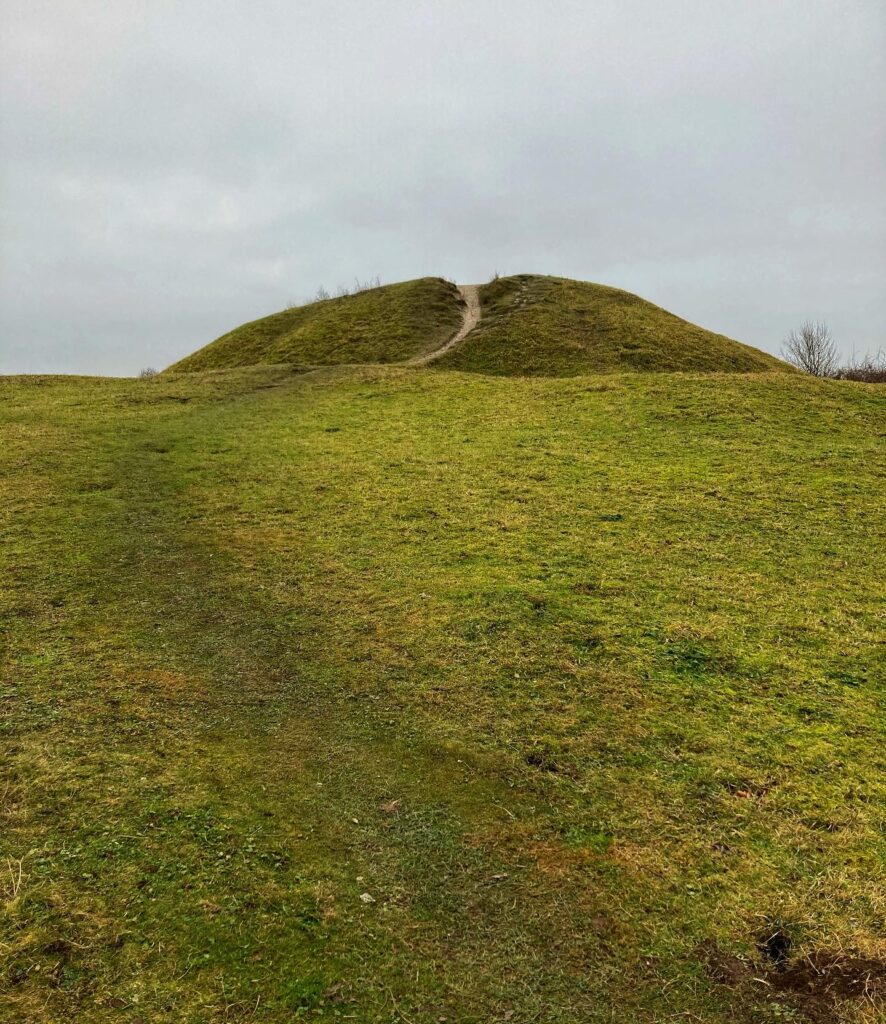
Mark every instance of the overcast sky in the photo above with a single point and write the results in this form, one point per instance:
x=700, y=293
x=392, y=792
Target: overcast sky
x=172, y=168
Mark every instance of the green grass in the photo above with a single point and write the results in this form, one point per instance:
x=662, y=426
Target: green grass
x=530, y=326
x=386, y=324
x=579, y=680
x=551, y=326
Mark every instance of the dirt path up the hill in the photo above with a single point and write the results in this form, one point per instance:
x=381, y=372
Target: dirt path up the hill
x=471, y=317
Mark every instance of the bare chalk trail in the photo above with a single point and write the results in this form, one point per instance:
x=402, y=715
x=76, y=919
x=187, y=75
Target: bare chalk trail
x=471, y=317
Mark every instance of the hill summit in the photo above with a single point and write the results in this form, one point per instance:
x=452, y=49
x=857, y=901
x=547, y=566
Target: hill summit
x=529, y=325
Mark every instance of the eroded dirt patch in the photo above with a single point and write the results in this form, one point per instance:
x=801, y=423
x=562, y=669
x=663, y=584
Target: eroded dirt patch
x=817, y=985
x=823, y=979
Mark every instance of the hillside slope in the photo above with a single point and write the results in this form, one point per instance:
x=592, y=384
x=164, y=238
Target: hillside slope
x=387, y=324
x=530, y=326
x=534, y=325
x=383, y=695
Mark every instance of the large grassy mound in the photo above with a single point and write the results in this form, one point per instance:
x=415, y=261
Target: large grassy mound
x=552, y=326
x=381, y=696
x=380, y=325
x=530, y=325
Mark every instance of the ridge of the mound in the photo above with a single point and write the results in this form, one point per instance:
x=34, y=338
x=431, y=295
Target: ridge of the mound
x=386, y=324
x=549, y=326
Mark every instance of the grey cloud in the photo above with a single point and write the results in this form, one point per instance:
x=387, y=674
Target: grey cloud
x=174, y=168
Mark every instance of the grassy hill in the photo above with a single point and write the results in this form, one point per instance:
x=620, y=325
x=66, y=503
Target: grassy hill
x=381, y=695
x=386, y=324
x=530, y=325
x=555, y=327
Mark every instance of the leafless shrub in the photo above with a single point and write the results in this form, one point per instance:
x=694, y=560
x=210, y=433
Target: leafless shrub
x=869, y=369
x=147, y=373
x=812, y=349
x=365, y=286
x=342, y=291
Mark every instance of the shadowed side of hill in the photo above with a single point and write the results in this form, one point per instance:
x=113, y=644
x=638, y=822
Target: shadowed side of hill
x=549, y=326
x=387, y=324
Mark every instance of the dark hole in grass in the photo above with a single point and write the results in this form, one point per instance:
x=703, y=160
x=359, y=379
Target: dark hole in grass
x=775, y=944
x=814, y=984
x=542, y=759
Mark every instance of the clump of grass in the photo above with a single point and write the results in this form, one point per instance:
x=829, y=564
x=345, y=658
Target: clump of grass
x=12, y=882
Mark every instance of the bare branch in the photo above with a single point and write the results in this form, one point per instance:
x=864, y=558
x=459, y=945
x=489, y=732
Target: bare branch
x=868, y=369
x=812, y=349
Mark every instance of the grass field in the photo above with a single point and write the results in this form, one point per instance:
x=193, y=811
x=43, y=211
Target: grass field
x=391, y=695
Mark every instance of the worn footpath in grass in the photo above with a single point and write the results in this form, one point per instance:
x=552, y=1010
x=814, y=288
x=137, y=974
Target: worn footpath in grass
x=395, y=695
